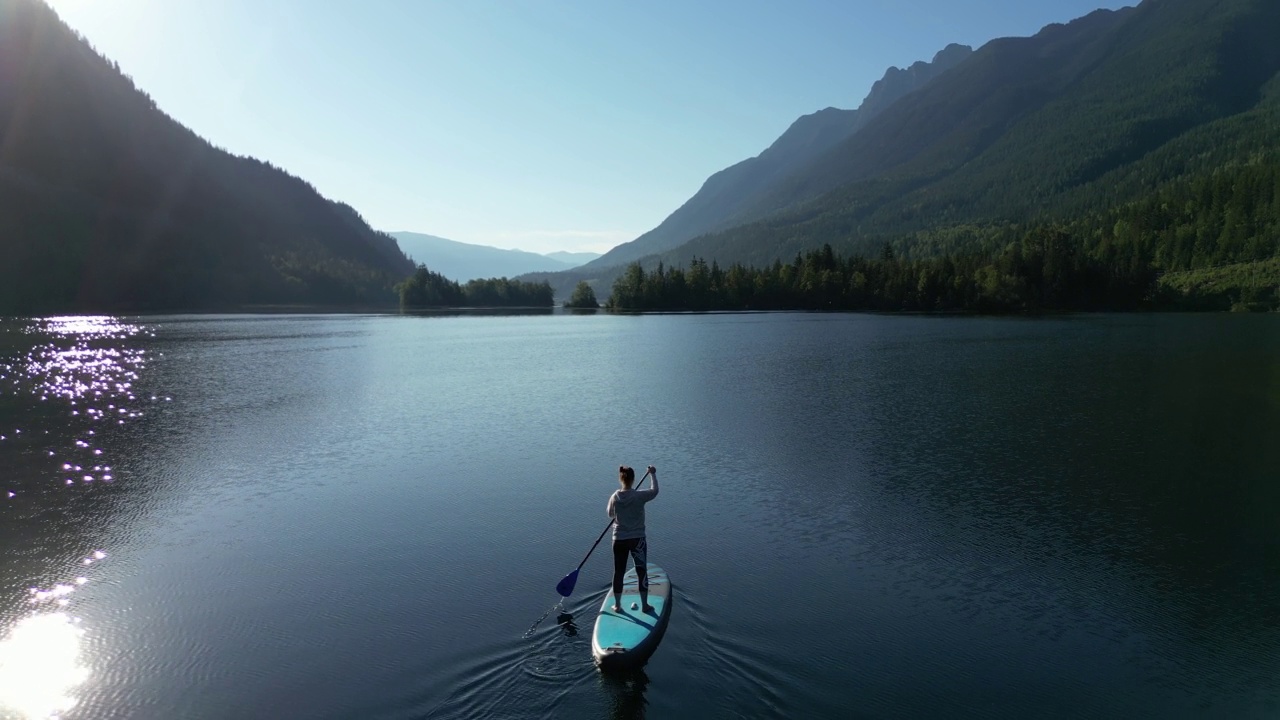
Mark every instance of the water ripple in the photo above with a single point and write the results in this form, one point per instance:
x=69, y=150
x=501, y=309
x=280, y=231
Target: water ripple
x=75, y=384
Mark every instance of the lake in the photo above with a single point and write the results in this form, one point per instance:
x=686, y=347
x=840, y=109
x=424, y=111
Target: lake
x=863, y=516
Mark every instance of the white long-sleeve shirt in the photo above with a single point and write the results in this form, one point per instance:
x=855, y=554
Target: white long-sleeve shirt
x=626, y=507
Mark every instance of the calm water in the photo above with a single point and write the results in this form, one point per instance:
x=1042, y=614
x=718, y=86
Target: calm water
x=882, y=517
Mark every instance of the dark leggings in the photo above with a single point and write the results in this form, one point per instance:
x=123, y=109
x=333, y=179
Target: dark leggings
x=638, y=550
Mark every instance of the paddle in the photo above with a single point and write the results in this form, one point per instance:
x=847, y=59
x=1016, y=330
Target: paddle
x=565, y=586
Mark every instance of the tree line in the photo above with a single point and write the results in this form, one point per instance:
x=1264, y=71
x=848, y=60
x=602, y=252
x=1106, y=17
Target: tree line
x=1153, y=253
x=1046, y=271
x=429, y=289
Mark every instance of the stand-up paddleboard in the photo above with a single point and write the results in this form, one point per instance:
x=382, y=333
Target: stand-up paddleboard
x=628, y=638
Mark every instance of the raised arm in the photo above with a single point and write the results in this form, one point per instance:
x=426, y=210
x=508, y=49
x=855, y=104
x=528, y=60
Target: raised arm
x=653, y=491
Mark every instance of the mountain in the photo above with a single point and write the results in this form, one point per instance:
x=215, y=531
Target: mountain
x=107, y=203
x=461, y=262
x=573, y=259
x=1071, y=123
x=737, y=194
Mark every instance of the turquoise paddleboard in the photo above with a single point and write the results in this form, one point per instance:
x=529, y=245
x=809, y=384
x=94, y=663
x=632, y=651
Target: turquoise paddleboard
x=628, y=638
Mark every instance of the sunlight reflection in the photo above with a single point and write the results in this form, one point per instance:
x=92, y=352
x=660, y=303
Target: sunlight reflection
x=40, y=666
x=85, y=369
x=87, y=365
x=86, y=362
x=89, y=326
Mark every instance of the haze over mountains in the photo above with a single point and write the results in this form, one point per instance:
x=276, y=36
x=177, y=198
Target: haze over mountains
x=461, y=262
x=573, y=259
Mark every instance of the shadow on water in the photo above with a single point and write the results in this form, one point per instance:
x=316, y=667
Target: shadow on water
x=625, y=691
x=565, y=621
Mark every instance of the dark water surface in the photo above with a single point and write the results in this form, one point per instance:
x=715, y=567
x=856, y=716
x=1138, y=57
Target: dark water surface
x=881, y=517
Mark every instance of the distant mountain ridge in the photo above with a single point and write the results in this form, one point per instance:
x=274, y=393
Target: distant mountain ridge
x=573, y=258
x=460, y=262
x=107, y=203
x=1050, y=126
x=734, y=195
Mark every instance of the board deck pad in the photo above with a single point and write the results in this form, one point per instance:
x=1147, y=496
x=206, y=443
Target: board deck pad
x=630, y=637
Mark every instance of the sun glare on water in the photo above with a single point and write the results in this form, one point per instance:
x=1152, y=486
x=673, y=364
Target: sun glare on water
x=88, y=364
x=40, y=666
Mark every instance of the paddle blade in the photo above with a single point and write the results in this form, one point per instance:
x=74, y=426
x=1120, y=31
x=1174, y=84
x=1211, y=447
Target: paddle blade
x=565, y=586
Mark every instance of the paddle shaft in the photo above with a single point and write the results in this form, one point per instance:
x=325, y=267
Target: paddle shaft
x=606, y=527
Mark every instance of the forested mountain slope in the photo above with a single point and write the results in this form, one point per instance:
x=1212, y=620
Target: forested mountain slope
x=737, y=193
x=1075, y=123
x=107, y=203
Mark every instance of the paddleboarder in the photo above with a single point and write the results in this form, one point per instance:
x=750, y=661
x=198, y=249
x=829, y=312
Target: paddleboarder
x=626, y=507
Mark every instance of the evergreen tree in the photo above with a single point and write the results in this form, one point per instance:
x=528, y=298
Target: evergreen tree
x=584, y=297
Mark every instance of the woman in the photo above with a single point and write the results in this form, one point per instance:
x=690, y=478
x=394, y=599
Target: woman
x=626, y=507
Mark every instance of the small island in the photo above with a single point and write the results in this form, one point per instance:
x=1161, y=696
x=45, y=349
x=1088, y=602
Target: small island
x=584, y=298
x=427, y=289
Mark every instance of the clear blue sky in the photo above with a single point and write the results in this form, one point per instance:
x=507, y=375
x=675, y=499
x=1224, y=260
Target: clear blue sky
x=539, y=125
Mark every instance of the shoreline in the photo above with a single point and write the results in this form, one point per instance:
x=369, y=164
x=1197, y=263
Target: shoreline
x=270, y=310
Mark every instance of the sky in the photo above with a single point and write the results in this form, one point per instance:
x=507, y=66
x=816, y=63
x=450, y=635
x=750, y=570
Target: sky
x=539, y=125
